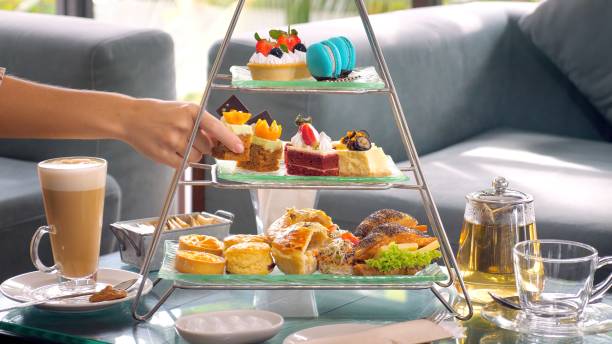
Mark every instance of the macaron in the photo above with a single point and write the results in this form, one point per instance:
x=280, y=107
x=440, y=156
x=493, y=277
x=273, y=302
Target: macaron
x=347, y=53
x=331, y=59
x=324, y=61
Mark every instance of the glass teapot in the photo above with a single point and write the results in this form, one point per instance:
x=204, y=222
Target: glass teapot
x=494, y=220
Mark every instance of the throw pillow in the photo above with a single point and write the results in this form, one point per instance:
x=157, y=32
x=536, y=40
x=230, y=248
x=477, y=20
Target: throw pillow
x=577, y=36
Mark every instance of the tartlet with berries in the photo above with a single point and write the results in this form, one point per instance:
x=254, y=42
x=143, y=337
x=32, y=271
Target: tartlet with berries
x=266, y=148
x=280, y=58
x=236, y=122
x=358, y=156
x=310, y=153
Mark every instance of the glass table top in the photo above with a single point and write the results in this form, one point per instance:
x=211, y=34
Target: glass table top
x=115, y=325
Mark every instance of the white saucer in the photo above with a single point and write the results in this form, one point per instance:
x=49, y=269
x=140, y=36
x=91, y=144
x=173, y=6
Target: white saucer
x=32, y=286
x=229, y=327
x=597, y=318
x=326, y=331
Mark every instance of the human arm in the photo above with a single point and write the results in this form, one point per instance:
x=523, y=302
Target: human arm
x=158, y=129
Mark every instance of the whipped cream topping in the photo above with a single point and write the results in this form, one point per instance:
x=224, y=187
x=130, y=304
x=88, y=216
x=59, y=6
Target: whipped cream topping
x=238, y=129
x=287, y=58
x=325, y=143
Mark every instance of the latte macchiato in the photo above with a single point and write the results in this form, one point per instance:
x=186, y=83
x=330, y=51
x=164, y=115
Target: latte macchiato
x=73, y=193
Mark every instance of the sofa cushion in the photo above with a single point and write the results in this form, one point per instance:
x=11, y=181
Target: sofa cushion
x=22, y=211
x=570, y=180
x=576, y=36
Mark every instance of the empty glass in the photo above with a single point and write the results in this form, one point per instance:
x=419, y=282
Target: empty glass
x=554, y=278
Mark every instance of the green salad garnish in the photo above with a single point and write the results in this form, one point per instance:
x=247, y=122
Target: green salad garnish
x=394, y=258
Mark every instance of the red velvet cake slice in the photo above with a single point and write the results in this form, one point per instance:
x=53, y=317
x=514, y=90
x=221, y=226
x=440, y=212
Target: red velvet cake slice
x=302, y=162
x=310, y=153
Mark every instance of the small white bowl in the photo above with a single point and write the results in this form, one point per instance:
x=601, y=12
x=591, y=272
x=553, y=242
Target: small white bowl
x=229, y=327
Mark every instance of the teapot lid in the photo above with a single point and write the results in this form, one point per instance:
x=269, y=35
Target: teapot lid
x=500, y=194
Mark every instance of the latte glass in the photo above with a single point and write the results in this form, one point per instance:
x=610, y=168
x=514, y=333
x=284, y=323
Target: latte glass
x=73, y=194
x=554, y=278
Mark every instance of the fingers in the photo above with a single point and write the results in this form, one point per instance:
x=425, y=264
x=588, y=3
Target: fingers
x=203, y=143
x=170, y=158
x=216, y=130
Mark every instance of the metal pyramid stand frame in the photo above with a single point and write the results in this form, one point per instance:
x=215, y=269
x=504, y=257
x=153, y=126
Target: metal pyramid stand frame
x=430, y=208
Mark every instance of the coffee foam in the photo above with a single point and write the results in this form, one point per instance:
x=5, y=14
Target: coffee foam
x=72, y=174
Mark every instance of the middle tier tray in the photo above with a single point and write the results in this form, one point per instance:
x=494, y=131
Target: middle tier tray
x=423, y=279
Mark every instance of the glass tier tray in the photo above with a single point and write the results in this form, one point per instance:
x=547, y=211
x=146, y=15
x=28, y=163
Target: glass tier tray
x=361, y=79
x=432, y=273
x=227, y=170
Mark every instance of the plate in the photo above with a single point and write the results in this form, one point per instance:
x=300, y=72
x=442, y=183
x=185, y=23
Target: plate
x=361, y=79
x=227, y=170
x=424, y=278
x=319, y=332
x=597, y=318
x=229, y=327
x=33, y=285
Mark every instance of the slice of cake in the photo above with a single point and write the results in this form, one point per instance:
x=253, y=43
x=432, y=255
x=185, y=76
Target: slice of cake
x=310, y=153
x=359, y=157
x=266, y=148
x=235, y=121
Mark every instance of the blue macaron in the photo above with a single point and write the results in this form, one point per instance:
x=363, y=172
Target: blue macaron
x=324, y=61
x=331, y=59
x=347, y=53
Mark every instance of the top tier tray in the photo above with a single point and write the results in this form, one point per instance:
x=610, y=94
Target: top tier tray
x=360, y=81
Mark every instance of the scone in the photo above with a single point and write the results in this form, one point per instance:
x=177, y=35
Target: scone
x=201, y=243
x=295, y=250
x=201, y=263
x=240, y=238
x=249, y=258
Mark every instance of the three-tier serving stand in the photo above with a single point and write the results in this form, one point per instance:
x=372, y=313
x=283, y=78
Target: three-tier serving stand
x=216, y=81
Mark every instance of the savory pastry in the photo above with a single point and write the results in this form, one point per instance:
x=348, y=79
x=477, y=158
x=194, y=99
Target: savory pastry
x=236, y=122
x=240, y=238
x=383, y=216
x=293, y=216
x=266, y=148
x=107, y=294
x=359, y=157
x=310, y=153
x=331, y=59
x=281, y=58
x=202, y=263
x=201, y=243
x=337, y=257
x=295, y=250
x=249, y=258
x=392, y=249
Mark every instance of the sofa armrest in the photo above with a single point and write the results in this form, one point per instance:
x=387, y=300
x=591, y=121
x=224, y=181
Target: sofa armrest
x=86, y=54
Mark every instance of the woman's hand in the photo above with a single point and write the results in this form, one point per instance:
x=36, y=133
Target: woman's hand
x=161, y=130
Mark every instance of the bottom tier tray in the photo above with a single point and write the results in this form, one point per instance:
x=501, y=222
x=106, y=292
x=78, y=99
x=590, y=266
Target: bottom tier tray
x=423, y=279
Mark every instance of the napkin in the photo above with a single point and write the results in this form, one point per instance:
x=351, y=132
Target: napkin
x=409, y=332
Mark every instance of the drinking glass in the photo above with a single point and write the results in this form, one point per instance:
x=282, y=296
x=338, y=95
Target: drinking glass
x=73, y=194
x=554, y=278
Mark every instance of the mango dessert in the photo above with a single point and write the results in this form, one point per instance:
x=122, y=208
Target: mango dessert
x=236, y=122
x=266, y=148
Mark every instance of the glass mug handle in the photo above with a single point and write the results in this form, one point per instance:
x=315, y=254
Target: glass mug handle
x=42, y=230
x=602, y=287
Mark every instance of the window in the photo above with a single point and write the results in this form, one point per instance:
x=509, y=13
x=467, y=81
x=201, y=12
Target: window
x=35, y=6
